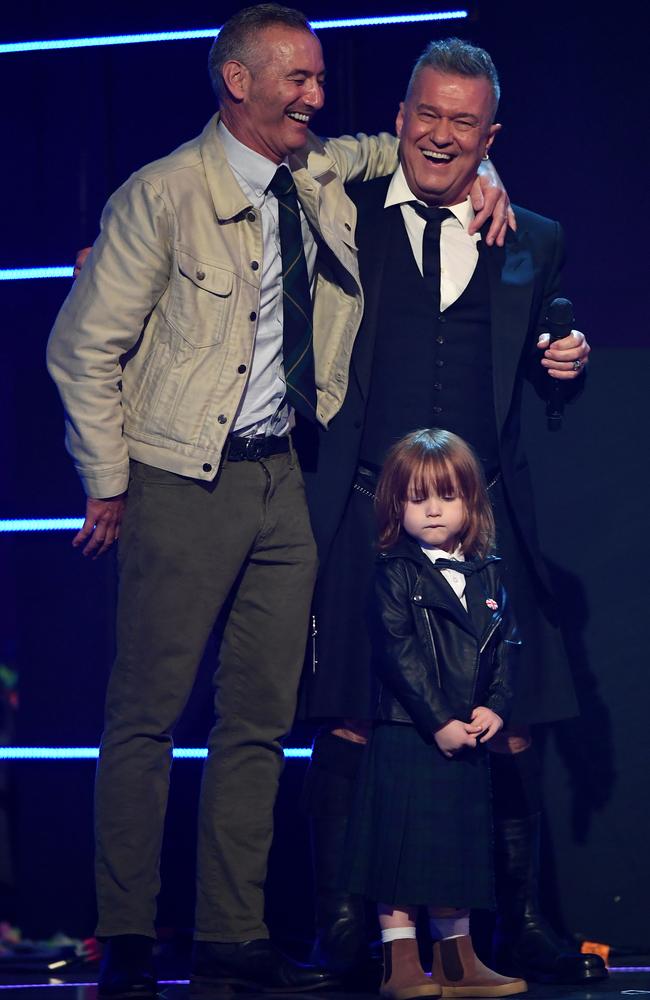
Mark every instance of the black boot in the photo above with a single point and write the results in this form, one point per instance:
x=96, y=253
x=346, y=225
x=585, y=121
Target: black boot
x=525, y=943
x=341, y=944
x=127, y=969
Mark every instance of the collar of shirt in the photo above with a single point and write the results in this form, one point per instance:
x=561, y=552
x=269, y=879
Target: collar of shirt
x=254, y=171
x=458, y=250
x=434, y=554
x=399, y=193
x=455, y=580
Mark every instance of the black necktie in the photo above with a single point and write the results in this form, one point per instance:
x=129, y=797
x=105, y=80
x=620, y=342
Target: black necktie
x=297, y=332
x=431, y=246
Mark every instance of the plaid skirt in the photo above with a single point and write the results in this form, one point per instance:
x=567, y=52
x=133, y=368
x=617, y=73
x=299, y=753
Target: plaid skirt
x=421, y=828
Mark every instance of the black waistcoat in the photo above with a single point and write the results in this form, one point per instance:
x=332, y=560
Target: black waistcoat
x=429, y=370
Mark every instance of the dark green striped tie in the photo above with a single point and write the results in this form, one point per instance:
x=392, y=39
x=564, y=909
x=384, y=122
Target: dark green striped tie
x=297, y=332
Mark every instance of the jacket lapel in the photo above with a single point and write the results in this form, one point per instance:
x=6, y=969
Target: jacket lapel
x=511, y=279
x=375, y=226
x=434, y=591
x=476, y=595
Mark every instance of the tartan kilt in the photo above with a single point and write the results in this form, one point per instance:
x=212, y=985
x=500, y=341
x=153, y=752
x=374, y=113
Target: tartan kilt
x=421, y=828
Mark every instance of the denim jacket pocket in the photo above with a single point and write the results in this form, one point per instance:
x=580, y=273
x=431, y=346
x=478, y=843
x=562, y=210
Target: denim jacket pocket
x=201, y=300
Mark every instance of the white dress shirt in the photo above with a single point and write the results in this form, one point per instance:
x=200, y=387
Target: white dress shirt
x=458, y=250
x=261, y=410
x=455, y=580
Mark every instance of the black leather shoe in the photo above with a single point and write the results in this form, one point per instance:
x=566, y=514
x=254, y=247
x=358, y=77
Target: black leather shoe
x=126, y=971
x=541, y=955
x=252, y=967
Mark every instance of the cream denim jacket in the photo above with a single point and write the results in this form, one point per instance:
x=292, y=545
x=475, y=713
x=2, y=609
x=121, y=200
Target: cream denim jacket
x=151, y=348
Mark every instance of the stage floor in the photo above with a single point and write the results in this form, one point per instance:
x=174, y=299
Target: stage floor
x=635, y=982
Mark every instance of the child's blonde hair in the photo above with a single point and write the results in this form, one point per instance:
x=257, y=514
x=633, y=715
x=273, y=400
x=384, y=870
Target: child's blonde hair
x=432, y=459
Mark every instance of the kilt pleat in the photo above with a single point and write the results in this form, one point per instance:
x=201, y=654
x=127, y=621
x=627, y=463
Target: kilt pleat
x=420, y=832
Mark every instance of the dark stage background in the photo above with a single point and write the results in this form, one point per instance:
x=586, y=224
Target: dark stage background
x=573, y=146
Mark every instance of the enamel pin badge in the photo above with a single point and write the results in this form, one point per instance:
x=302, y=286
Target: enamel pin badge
x=492, y=604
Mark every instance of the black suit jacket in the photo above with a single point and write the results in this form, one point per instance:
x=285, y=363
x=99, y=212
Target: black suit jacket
x=524, y=278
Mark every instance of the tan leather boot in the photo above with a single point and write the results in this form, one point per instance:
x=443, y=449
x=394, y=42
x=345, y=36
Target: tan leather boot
x=404, y=977
x=461, y=974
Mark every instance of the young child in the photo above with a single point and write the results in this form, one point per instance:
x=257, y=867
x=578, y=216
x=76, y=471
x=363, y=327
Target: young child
x=445, y=647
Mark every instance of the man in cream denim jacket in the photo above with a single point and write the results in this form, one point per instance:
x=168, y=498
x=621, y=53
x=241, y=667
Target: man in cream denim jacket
x=177, y=272
x=154, y=354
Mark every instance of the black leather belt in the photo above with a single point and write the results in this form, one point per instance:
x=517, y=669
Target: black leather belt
x=250, y=449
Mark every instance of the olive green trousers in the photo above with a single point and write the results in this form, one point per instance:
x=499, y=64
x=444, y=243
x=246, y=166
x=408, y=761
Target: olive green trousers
x=186, y=548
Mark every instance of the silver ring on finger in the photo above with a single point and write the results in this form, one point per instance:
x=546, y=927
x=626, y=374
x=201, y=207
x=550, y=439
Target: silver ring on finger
x=577, y=365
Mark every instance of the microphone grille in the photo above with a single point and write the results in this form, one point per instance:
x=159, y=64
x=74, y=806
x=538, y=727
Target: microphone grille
x=560, y=312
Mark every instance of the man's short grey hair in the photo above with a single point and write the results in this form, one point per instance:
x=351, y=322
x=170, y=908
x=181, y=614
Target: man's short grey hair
x=239, y=38
x=454, y=56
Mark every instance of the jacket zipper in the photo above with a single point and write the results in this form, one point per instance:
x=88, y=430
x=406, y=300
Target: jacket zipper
x=433, y=647
x=314, y=654
x=490, y=634
x=478, y=658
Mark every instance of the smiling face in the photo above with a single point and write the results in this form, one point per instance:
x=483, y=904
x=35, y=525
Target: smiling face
x=275, y=97
x=445, y=129
x=436, y=522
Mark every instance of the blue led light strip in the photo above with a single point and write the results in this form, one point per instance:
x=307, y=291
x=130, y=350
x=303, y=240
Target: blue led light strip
x=58, y=985
x=173, y=36
x=40, y=524
x=23, y=273
x=91, y=753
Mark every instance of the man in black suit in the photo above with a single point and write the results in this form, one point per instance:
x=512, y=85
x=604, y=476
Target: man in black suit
x=451, y=328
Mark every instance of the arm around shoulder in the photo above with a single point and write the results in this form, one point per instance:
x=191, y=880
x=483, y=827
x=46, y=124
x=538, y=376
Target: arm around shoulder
x=363, y=157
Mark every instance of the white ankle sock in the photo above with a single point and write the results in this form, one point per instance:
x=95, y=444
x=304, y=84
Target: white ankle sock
x=446, y=927
x=397, y=934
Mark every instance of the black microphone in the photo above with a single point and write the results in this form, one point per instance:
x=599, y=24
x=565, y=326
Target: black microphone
x=558, y=323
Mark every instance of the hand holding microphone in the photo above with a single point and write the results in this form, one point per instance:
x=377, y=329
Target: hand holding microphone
x=565, y=354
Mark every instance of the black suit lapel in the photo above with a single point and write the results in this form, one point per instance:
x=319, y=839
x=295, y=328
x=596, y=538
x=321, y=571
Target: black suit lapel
x=375, y=224
x=511, y=276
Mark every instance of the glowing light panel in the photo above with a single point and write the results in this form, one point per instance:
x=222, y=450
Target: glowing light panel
x=174, y=36
x=25, y=273
x=92, y=753
x=41, y=524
